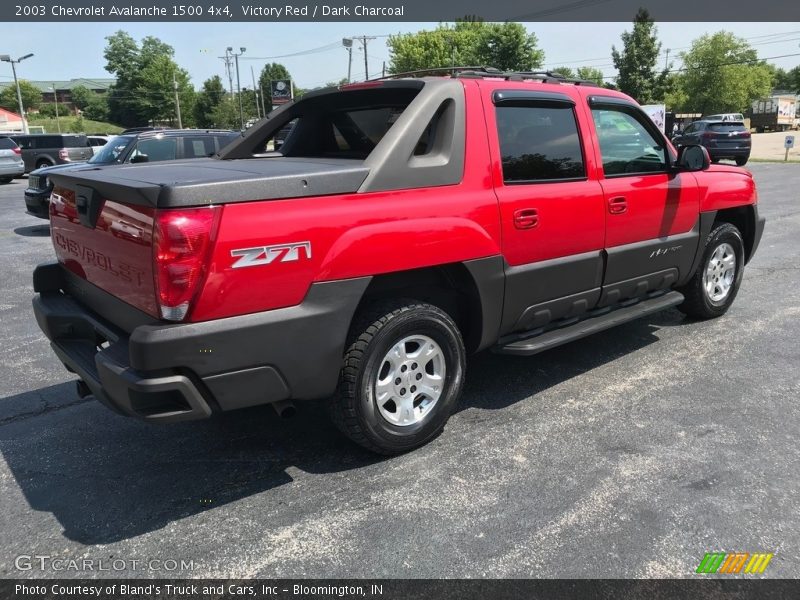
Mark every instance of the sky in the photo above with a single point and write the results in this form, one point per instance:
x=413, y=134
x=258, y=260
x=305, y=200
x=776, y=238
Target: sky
x=198, y=46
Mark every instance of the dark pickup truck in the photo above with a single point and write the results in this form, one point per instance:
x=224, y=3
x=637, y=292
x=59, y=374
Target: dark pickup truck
x=401, y=224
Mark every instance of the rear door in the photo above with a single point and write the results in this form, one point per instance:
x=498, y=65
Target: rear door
x=76, y=148
x=25, y=143
x=551, y=213
x=651, y=211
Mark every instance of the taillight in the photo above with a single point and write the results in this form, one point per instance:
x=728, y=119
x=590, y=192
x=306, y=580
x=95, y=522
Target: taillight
x=182, y=245
x=16, y=150
x=63, y=154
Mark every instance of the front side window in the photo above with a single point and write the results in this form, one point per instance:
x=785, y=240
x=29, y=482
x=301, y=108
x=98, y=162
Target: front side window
x=626, y=146
x=539, y=143
x=157, y=149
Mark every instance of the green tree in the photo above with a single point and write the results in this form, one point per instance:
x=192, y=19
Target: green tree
x=506, y=46
x=209, y=97
x=591, y=74
x=226, y=115
x=565, y=71
x=122, y=60
x=636, y=63
x=31, y=96
x=146, y=75
x=787, y=80
x=97, y=108
x=722, y=73
x=81, y=96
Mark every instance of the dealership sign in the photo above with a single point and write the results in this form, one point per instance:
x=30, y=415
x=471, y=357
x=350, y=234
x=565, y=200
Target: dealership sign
x=281, y=90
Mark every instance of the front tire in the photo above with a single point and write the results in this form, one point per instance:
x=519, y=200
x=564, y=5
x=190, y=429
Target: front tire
x=402, y=376
x=713, y=288
x=742, y=161
x=6, y=179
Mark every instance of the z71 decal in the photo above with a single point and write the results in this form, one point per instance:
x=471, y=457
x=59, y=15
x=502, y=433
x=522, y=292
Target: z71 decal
x=264, y=255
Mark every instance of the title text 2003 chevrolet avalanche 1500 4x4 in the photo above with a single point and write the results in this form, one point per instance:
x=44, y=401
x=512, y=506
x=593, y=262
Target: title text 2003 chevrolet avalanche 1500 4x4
x=402, y=224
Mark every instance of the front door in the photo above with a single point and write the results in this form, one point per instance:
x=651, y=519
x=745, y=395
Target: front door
x=551, y=214
x=651, y=210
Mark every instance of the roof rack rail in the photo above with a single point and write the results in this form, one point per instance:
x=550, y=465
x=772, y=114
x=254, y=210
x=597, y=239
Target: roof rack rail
x=436, y=70
x=485, y=71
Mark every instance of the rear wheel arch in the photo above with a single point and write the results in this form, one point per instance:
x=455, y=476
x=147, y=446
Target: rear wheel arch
x=470, y=292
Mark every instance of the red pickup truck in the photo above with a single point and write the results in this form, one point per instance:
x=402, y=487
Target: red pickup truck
x=400, y=225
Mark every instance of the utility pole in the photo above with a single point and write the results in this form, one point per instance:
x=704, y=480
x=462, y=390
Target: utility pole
x=263, y=100
x=238, y=84
x=228, y=60
x=177, y=100
x=364, y=39
x=8, y=59
x=55, y=98
x=666, y=61
x=255, y=91
x=348, y=45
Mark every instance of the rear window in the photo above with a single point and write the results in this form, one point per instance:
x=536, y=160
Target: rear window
x=7, y=144
x=726, y=127
x=347, y=125
x=74, y=141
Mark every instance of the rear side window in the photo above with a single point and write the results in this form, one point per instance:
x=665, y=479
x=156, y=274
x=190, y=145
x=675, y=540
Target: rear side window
x=73, y=141
x=198, y=147
x=726, y=127
x=539, y=143
x=7, y=144
x=47, y=141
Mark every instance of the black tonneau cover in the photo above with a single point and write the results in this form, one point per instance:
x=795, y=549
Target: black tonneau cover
x=205, y=181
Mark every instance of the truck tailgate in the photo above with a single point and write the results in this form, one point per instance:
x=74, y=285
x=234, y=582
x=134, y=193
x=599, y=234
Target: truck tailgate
x=116, y=253
x=116, y=256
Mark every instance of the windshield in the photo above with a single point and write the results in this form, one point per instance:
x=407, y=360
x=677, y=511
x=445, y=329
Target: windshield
x=113, y=151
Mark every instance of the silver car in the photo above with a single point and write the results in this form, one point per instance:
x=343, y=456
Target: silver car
x=11, y=163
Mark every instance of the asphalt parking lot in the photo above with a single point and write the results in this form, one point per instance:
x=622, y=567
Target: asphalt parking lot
x=627, y=454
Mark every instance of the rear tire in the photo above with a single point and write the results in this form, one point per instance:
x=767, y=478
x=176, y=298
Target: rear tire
x=713, y=288
x=43, y=163
x=402, y=376
x=742, y=161
x=6, y=179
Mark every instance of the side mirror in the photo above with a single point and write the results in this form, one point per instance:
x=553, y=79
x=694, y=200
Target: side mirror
x=140, y=158
x=693, y=158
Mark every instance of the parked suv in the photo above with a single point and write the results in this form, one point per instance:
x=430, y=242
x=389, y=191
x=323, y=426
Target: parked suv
x=149, y=146
x=403, y=224
x=722, y=139
x=44, y=150
x=11, y=164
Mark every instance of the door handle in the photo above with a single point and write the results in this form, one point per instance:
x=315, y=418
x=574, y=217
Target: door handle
x=617, y=205
x=526, y=218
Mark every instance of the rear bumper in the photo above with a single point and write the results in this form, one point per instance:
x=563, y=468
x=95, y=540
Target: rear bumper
x=176, y=372
x=728, y=152
x=12, y=169
x=37, y=203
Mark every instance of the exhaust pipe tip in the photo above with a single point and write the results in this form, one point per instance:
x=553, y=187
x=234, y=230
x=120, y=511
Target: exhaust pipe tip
x=285, y=409
x=82, y=389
